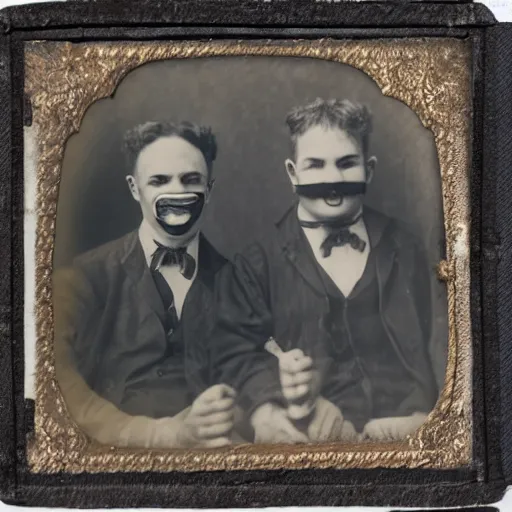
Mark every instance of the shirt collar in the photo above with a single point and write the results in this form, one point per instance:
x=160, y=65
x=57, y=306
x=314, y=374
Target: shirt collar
x=147, y=237
x=318, y=235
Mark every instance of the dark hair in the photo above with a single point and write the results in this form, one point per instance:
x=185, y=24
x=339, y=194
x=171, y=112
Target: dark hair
x=354, y=118
x=142, y=135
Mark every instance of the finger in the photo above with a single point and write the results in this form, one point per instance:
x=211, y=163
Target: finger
x=212, y=393
x=298, y=365
x=296, y=392
x=389, y=428
x=373, y=430
x=315, y=428
x=332, y=425
x=293, y=365
x=348, y=431
x=295, y=353
x=367, y=428
x=216, y=418
x=227, y=391
x=327, y=423
x=335, y=431
x=295, y=379
x=218, y=392
x=383, y=431
x=201, y=408
x=283, y=437
x=217, y=442
x=212, y=431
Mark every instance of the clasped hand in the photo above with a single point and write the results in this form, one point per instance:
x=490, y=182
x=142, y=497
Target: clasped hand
x=319, y=419
x=209, y=422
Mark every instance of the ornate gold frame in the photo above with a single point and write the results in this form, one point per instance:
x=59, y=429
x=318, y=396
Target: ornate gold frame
x=431, y=76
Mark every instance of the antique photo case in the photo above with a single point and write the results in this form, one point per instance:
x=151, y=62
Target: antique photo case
x=255, y=264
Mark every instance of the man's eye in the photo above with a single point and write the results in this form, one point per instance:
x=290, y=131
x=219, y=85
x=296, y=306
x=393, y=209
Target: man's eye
x=315, y=164
x=195, y=179
x=158, y=180
x=347, y=164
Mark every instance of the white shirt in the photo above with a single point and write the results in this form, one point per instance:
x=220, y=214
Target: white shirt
x=345, y=265
x=179, y=284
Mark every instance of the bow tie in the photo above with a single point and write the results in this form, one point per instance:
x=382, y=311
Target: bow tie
x=341, y=238
x=169, y=256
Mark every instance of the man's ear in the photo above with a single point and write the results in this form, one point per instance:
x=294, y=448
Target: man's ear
x=291, y=169
x=133, y=187
x=209, y=188
x=371, y=163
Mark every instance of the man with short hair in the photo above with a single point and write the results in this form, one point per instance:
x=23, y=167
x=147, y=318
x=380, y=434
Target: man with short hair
x=133, y=317
x=343, y=290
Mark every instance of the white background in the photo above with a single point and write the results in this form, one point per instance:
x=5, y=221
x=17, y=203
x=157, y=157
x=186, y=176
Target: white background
x=502, y=9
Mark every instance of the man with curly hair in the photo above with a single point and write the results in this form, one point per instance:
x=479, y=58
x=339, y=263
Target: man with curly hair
x=341, y=291
x=133, y=317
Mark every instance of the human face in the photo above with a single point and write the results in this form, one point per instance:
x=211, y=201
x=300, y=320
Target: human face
x=170, y=182
x=329, y=155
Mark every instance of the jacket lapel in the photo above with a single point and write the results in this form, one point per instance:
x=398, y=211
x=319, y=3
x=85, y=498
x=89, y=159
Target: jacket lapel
x=138, y=271
x=385, y=252
x=297, y=250
x=200, y=296
x=198, y=316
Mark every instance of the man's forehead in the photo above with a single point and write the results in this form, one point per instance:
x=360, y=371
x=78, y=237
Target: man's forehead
x=325, y=140
x=171, y=154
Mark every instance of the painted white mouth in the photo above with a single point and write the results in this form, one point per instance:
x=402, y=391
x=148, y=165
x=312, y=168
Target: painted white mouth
x=334, y=200
x=176, y=219
x=174, y=209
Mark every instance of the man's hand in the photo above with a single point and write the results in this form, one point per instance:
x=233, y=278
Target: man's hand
x=328, y=424
x=393, y=429
x=271, y=424
x=210, y=419
x=299, y=382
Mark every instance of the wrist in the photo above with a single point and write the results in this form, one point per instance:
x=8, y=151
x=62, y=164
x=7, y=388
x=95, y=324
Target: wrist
x=262, y=412
x=185, y=430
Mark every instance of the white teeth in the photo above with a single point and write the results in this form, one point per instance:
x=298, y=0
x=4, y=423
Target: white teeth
x=176, y=219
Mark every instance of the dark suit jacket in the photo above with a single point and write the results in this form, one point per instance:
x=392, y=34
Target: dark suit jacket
x=110, y=314
x=274, y=288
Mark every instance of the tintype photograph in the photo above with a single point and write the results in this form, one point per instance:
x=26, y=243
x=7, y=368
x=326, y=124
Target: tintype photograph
x=250, y=253
x=256, y=254
x=249, y=260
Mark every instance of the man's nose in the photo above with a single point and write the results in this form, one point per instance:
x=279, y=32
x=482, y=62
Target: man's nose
x=175, y=187
x=333, y=173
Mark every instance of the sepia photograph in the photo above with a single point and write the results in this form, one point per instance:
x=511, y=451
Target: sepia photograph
x=246, y=252
x=253, y=254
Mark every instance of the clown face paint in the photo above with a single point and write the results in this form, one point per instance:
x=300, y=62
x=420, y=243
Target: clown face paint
x=329, y=174
x=170, y=183
x=177, y=213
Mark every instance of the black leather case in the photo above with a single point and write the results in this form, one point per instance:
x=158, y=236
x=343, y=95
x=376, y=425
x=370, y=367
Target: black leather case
x=491, y=245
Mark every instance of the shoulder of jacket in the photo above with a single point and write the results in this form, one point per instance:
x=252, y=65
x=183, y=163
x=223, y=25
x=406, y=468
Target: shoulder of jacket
x=106, y=255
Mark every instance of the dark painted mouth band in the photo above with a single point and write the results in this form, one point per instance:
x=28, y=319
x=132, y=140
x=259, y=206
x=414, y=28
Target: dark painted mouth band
x=190, y=204
x=331, y=190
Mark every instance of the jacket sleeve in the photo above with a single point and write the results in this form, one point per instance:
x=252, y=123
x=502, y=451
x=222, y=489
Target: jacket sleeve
x=97, y=417
x=420, y=276
x=243, y=325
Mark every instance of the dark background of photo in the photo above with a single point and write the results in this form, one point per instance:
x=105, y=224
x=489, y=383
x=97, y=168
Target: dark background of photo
x=245, y=101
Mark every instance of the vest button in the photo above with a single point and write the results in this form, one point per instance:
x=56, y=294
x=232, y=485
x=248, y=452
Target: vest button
x=160, y=373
